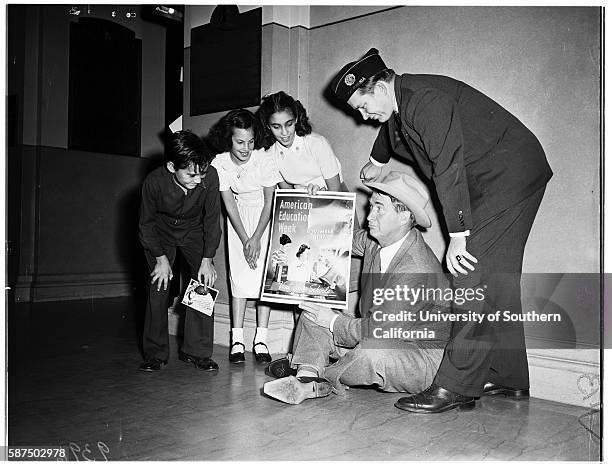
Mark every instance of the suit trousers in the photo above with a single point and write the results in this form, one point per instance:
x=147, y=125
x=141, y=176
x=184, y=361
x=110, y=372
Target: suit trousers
x=199, y=328
x=404, y=368
x=493, y=351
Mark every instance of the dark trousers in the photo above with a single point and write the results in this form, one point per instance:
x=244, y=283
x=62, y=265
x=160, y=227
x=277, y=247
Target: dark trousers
x=199, y=328
x=493, y=351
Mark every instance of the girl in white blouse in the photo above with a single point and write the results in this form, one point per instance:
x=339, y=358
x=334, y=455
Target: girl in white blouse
x=247, y=179
x=302, y=157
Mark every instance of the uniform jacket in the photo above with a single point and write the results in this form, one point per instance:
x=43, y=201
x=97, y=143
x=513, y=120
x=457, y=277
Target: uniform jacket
x=481, y=158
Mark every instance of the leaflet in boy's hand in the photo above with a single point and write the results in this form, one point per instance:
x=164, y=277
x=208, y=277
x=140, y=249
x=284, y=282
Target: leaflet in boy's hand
x=200, y=297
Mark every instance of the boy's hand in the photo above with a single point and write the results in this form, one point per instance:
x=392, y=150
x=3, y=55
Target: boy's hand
x=207, y=274
x=162, y=273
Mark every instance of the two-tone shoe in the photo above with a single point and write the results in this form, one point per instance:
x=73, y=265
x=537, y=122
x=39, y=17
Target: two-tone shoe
x=292, y=390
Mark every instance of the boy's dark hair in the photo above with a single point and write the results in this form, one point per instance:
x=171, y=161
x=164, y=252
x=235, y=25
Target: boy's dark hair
x=185, y=148
x=284, y=239
x=279, y=102
x=220, y=135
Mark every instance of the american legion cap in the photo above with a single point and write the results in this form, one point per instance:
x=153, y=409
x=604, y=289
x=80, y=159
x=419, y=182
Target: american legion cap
x=352, y=75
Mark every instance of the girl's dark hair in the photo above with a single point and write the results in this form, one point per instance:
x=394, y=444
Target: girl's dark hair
x=302, y=249
x=284, y=239
x=278, y=102
x=220, y=135
x=368, y=85
x=184, y=148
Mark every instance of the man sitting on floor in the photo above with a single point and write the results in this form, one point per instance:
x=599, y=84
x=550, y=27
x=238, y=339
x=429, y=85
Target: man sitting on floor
x=374, y=349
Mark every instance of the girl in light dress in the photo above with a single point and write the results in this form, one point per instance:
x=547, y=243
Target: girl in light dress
x=247, y=179
x=302, y=157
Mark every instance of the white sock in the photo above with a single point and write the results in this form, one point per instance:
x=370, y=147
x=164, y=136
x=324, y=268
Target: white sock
x=237, y=336
x=306, y=371
x=261, y=334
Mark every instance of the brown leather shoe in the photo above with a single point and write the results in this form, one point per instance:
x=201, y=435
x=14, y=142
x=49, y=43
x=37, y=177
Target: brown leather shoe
x=292, y=390
x=435, y=399
x=492, y=389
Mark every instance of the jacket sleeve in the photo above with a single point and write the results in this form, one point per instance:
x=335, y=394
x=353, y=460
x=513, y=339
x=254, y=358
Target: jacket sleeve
x=360, y=240
x=381, y=150
x=149, y=238
x=436, y=120
x=211, y=216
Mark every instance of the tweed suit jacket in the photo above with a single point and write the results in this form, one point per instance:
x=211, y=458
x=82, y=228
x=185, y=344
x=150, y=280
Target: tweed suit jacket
x=415, y=266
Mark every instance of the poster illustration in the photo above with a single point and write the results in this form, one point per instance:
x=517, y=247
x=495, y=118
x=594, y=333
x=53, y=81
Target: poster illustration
x=309, y=256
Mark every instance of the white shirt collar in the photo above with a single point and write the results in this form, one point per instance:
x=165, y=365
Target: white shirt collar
x=178, y=184
x=394, y=97
x=298, y=143
x=388, y=252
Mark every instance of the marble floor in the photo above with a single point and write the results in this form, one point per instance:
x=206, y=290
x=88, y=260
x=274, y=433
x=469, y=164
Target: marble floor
x=72, y=381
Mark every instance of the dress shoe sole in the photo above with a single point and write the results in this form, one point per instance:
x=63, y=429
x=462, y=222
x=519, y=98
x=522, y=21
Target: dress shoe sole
x=461, y=406
x=516, y=394
x=292, y=391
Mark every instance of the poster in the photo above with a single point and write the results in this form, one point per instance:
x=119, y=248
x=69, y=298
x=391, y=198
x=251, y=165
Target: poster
x=309, y=255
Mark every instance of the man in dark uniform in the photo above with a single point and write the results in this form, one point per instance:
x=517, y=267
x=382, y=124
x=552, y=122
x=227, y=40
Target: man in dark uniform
x=490, y=173
x=180, y=209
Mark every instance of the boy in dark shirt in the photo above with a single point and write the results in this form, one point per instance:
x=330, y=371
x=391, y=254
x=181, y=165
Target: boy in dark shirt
x=180, y=209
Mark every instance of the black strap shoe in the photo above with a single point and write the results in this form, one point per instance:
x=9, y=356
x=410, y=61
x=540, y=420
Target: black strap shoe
x=492, y=389
x=236, y=357
x=152, y=364
x=201, y=363
x=435, y=399
x=280, y=368
x=262, y=357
